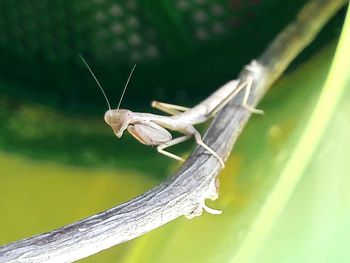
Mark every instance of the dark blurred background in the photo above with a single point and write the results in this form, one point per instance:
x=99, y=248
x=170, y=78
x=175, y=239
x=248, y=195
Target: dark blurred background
x=183, y=49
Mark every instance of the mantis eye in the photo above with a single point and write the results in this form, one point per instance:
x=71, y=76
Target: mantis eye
x=108, y=117
x=113, y=117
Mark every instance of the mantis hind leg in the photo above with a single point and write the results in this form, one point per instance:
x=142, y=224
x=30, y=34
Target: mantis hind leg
x=168, y=108
x=175, y=141
x=247, y=85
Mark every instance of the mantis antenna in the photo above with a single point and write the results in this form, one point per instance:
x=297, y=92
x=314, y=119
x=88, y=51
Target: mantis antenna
x=98, y=83
x=126, y=85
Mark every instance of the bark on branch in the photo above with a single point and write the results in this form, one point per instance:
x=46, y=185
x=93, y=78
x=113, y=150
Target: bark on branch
x=184, y=193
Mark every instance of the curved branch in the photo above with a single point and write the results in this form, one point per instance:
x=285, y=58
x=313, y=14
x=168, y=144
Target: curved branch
x=186, y=191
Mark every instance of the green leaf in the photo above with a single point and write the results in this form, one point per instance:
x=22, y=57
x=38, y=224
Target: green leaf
x=39, y=196
x=284, y=193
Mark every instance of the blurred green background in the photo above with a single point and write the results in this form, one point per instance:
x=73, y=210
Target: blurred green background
x=59, y=162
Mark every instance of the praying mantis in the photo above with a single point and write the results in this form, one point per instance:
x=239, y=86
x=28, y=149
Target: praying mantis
x=151, y=129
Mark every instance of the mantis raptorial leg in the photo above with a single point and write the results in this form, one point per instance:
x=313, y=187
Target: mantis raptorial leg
x=151, y=129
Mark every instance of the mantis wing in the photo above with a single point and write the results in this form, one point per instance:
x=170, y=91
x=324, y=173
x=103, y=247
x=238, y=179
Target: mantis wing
x=151, y=134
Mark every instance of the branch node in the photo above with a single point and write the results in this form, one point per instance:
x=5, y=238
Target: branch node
x=211, y=210
x=212, y=193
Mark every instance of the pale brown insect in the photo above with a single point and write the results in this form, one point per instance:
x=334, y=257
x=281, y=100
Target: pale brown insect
x=151, y=129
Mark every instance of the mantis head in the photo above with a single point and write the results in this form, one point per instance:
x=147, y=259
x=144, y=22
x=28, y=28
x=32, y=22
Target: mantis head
x=119, y=120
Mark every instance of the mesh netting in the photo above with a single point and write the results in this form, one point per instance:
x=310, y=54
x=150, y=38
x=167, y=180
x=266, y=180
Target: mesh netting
x=182, y=46
x=129, y=29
